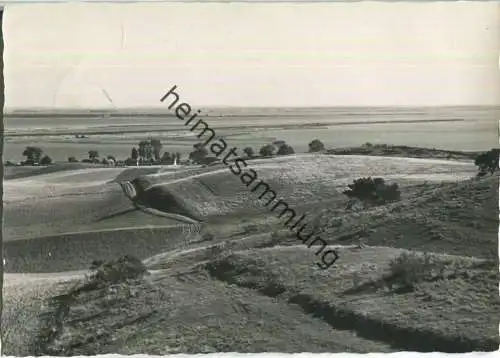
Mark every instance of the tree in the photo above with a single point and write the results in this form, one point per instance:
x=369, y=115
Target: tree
x=145, y=150
x=316, y=146
x=178, y=156
x=33, y=155
x=166, y=158
x=130, y=162
x=110, y=157
x=46, y=160
x=249, y=152
x=72, y=159
x=156, y=148
x=199, y=153
x=373, y=191
x=285, y=149
x=267, y=150
x=93, y=154
x=134, y=154
x=487, y=162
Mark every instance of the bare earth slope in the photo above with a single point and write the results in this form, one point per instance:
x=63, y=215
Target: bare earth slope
x=250, y=286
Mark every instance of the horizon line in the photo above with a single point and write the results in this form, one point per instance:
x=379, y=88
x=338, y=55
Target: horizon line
x=111, y=109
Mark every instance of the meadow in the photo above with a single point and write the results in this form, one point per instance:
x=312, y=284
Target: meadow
x=239, y=281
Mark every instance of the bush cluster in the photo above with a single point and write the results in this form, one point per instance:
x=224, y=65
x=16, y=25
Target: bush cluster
x=373, y=191
x=122, y=269
x=487, y=162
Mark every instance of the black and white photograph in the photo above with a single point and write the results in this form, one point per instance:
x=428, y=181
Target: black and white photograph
x=187, y=178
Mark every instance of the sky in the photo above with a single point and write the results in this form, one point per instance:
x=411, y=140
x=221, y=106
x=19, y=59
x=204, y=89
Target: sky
x=237, y=54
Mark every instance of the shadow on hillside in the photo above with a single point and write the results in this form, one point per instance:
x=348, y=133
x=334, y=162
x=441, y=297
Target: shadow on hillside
x=143, y=194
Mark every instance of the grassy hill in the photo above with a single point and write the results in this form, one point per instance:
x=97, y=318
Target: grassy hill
x=242, y=282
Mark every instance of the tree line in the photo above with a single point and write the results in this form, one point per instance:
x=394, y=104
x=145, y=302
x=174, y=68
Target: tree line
x=149, y=152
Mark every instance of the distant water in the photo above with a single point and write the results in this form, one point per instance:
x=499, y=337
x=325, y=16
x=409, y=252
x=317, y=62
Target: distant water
x=453, y=128
x=243, y=115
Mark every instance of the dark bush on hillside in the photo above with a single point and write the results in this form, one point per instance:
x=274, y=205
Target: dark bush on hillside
x=285, y=149
x=96, y=264
x=72, y=160
x=166, y=158
x=199, y=154
x=249, y=152
x=46, y=160
x=93, y=154
x=267, y=150
x=487, y=162
x=33, y=155
x=209, y=160
x=373, y=191
x=316, y=146
x=130, y=161
x=409, y=269
x=122, y=269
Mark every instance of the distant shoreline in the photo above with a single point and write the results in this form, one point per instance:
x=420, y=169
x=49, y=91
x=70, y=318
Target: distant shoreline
x=22, y=112
x=70, y=131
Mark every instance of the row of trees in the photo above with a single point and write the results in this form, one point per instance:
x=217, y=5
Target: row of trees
x=200, y=154
x=147, y=152
x=150, y=152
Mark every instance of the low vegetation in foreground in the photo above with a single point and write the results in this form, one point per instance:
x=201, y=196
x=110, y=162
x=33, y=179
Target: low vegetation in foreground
x=427, y=281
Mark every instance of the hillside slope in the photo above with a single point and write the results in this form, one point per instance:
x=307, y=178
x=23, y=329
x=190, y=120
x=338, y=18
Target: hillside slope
x=258, y=289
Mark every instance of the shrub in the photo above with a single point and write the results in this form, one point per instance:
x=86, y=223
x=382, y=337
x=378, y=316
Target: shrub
x=156, y=148
x=487, y=162
x=316, y=146
x=46, y=160
x=93, y=154
x=166, y=158
x=373, y=191
x=72, y=160
x=285, y=149
x=130, y=162
x=33, y=155
x=267, y=150
x=96, y=264
x=199, y=154
x=410, y=268
x=134, y=154
x=122, y=269
x=249, y=152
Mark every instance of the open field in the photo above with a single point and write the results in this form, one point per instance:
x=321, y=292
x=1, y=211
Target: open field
x=240, y=281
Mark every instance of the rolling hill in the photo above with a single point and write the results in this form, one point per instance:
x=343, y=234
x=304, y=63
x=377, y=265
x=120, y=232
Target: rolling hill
x=240, y=281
